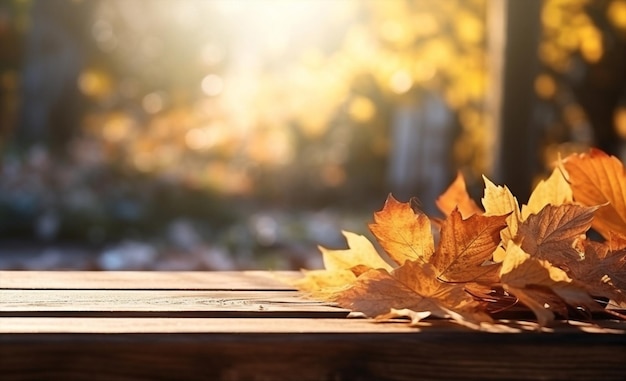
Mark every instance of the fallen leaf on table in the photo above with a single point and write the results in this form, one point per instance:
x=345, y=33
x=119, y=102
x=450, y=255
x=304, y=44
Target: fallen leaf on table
x=473, y=264
x=554, y=231
x=402, y=233
x=599, y=179
x=466, y=245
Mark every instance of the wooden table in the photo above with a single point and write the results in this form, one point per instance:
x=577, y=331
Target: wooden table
x=251, y=326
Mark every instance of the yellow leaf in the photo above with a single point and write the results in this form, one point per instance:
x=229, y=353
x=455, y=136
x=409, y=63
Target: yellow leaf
x=361, y=252
x=499, y=201
x=519, y=269
x=323, y=283
x=555, y=190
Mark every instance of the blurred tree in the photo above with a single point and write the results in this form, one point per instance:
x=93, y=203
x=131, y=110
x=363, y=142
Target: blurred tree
x=54, y=55
x=514, y=34
x=582, y=83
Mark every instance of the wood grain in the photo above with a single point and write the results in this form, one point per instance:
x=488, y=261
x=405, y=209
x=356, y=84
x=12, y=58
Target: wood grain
x=318, y=349
x=142, y=280
x=251, y=326
x=269, y=325
x=161, y=303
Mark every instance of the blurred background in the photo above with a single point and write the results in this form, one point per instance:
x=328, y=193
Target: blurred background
x=234, y=134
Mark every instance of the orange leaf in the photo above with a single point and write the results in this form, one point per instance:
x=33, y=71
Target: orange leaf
x=465, y=245
x=598, y=179
x=414, y=287
x=456, y=196
x=552, y=233
x=403, y=234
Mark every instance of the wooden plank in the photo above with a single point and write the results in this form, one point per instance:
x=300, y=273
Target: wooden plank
x=167, y=280
x=281, y=349
x=73, y=325
x=121, y=303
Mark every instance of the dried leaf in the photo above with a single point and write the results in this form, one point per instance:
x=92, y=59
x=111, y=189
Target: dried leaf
x=552, y=233
x=499, y=201
x=403, y=234
x=341, y=267
x=361, y=252
x=465, y=246
x=487, y=262
x=555, y=190
x=456, y=197
x=541, y=286
x=602, y=271
x=415, y=317
x=599, y=179
x=414, y=287
x=323, y=284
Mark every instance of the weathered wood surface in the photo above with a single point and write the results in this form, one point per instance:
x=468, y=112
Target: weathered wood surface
x=146, y=280
x=125, y=303
x=86, y=328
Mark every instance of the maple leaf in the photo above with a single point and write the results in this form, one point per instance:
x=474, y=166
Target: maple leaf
x=552, y=233
x=465, y=246
x=555, y=190
x=499, y=201
x=602, y=271
x=542, y=287
x=341, y=266
x=361, y=252
x=456, y=197
x=402, y=233
x=323, y=284
x=412, y=287
x=599, y=179
x=485, y=262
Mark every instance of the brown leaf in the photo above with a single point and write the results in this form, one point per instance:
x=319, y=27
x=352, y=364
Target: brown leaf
x=599, y=179
x=541, y=301
x=414, y=287
x=534, y=281
x=456, y=197
x=465, y=246
x=602, y=271
x=552, y=233
x=403, y=234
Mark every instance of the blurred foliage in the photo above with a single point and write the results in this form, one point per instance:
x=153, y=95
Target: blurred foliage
x=199, y=108
x=286, y=102
x=582, y=85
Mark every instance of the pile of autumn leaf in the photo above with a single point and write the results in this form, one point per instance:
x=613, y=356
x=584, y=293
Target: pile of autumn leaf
x=536, y=256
